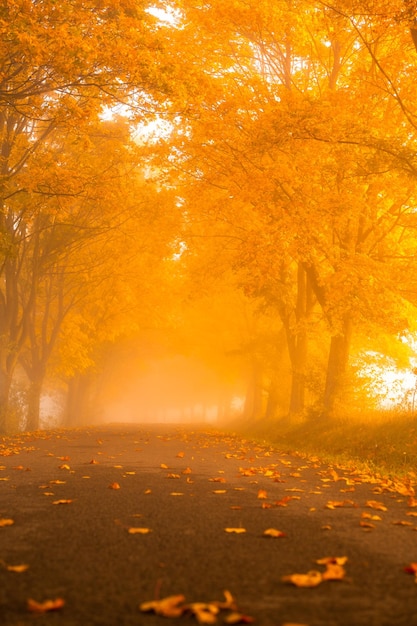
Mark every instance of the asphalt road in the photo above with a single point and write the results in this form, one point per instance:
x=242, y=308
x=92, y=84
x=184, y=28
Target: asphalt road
x=185, y=486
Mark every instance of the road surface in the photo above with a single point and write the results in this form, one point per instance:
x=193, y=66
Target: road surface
x=101, y=521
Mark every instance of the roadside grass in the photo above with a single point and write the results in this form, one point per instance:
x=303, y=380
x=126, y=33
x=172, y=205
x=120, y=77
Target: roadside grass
x=384, y=443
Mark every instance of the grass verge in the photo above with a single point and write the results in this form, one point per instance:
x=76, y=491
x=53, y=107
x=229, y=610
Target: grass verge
x=384, y=444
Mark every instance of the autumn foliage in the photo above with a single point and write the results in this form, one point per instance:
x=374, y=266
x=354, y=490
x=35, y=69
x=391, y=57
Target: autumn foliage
x=232, y=181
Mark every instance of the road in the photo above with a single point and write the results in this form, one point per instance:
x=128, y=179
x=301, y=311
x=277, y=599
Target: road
x=76, y=499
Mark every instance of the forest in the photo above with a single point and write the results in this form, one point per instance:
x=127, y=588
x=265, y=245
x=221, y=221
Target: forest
x=207, y=208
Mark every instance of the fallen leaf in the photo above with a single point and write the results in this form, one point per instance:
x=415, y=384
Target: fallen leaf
x=334, y=571
x=6, y=522
x=364, y=524
x=181, y=455
x=374, y=518
x=312, y=579
x=238, y=618
x=167, y=607
x=139, y=531
x=273, y=532
x=229, y=603
x=64, y=467
x=187, y=470
x=402, y=523
x=57, y=482
x=62, y=502
x=220, y=491
x=203, y=612
x=235, y=530
x=374, y=504
x=114, y=486
x=328, y=560
x=173, y=476
x=262, y=494
x=335, y=504
x=47, y=605
x=164, y=466
x=17, y=568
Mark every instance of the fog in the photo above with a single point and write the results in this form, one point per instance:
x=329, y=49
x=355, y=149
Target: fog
x=175, y=389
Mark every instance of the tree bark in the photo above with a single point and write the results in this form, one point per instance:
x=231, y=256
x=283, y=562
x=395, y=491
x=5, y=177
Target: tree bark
x=297, y=340
x=34, y=401
x=337, y=366
x=253, y=400
x=5, y=384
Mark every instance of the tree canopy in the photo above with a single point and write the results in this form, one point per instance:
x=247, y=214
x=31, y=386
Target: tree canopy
x=190, y=169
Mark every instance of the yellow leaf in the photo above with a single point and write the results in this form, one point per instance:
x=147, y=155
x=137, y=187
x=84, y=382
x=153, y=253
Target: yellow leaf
x=235, y=530
x=181, y=455
x=220, y=491
x=204, y=613
x=139, y=531
x=311, y=579
x=332, y=504
x=167, y=607
x=62, y=502
x=173, y=476
x=64, y=467
x=47, y=605
x=339, y=560
x=273, y=532
x=262, y=494
x=163, y=466
x=374, y=504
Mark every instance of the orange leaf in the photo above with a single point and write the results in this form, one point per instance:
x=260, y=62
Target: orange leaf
x=332, y=504
x=17, y=568
x=47, y=605
x=235, y=530
x=238, y=618
x=139, y=531
x=173, y=476
x=114, y=486
x=262, y=494
x=311, y=579
x=181, y=455
x=62, y=502
x=374, y=504
x=6, y=522
x=168, y=607
x=273, y=532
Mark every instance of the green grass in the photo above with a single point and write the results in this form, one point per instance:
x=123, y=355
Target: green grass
x=381, y=443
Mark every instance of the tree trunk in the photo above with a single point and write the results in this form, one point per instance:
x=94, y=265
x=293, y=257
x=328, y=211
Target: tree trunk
x=253, y=400
x=297, y=340
x=5, y=384
x=337, y=366
x=273, y=398
x=34, y=401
